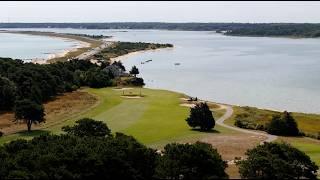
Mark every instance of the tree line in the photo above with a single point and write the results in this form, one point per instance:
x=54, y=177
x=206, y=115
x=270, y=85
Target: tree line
x=40, y=83
x=25, y=86
x=240, y=29
x=122, y=48
x=89, y=150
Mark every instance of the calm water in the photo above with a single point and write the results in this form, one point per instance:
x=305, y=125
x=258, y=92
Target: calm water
x=274, y=73
x=28, y=47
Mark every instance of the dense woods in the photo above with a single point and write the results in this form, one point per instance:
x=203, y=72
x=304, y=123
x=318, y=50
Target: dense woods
x=25, y=86
x=240, y=29
x=39, y=83
x=89, y=150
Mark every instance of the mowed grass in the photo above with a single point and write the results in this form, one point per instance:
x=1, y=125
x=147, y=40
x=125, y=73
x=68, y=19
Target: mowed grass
x=310, y=146
x=154, y=119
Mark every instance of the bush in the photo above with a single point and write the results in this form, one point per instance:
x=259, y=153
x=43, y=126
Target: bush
x=283, y=125
x=88, y=127
x=190, y=161
x=277, y=161
x=135, y=81
x=201, y=116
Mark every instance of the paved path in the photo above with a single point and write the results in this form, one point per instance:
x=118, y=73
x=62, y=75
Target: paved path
x=228, y=114
x=96, y=50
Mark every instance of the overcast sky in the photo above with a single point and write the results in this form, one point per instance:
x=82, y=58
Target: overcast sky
x=253, y=12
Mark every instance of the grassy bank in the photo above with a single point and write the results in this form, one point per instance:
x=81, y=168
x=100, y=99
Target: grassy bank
x=307, y=123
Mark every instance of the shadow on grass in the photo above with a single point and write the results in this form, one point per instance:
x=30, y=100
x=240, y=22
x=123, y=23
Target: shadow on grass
x=209, y=131
x=33, y=133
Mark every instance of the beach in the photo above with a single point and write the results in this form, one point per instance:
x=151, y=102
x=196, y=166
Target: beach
x=81, y=45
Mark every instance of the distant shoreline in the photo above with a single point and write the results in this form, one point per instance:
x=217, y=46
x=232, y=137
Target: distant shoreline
x=83, y=44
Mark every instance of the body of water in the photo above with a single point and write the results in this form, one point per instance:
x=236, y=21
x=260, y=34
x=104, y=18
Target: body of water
x=19, y=46
x=273, y=73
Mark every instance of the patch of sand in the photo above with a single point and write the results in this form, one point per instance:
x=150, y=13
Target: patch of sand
x=131, y=97
x=188, y=105
x=121, y=89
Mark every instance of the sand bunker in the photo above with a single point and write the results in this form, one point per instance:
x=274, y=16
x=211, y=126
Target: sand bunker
x=188, y=105
x=184, y=99
x=131, y=97
x=121, y=89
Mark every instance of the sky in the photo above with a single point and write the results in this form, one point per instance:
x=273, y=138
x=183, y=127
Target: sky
x=162, y=11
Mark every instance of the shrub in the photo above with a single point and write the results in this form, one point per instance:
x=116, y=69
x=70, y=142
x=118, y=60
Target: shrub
x=283, y=125
x=135, y=81
x=88, y=127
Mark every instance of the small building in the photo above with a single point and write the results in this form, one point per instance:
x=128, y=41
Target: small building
x=115, y=70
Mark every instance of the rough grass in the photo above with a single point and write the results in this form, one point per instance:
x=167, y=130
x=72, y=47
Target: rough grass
x=57, y=111
x=308, y=123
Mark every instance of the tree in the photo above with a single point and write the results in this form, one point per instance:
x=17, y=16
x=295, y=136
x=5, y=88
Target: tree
x=135, y=81
x=88, y=127
x=7, y=94
x=201, y=116
x=134, y=71
x=190, y=161
x=97, y=78
x=73, y=157
x=283, y=125
x=29, y=112
x=277, y=161
x=119, y=64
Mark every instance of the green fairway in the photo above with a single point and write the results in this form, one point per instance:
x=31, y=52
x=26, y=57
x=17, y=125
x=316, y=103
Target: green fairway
x=154, y=119
x=309, y=146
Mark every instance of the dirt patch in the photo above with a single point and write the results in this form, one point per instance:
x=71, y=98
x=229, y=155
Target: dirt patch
x=231, y=146
x=57, y=110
